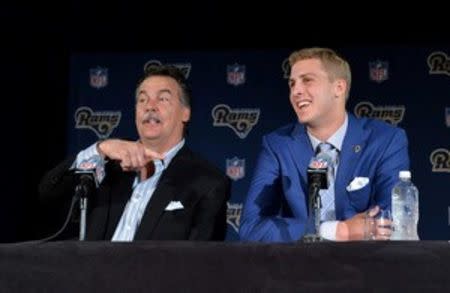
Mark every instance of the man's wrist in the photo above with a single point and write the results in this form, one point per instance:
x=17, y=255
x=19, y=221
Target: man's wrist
x=342, y=233
x=99, y=148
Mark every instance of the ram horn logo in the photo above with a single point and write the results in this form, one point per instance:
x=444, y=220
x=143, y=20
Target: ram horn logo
x=286, y=68
x=439, y=63
x=440, y=160
x=241, y=120
x=102, y=123
x=234, y=211
x=390, y=114
x=185, y=68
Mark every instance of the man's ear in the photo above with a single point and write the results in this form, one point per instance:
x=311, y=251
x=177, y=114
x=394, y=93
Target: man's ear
x=186, y=115
x=340, y=87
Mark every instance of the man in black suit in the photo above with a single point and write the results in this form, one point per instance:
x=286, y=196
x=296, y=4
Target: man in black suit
x=154, y=188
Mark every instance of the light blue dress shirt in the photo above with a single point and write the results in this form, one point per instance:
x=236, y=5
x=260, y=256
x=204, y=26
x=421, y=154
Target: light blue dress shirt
x=142, y=191
x=328, y=228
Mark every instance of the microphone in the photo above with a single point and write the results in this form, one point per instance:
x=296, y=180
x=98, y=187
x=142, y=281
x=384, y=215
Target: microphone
x=87, y=176
x=88, y=173
x=318, y=170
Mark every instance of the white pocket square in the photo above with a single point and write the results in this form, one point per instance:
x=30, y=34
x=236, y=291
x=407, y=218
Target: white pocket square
x=357, y=183
x=174, y=205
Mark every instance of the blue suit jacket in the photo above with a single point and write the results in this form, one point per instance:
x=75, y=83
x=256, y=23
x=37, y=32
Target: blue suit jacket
x=276, y=206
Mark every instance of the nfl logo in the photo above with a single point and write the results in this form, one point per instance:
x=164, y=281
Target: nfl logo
x=98, y=77
x=379, y=71
x=236, y=168
x=236, y=74
x=447, y=116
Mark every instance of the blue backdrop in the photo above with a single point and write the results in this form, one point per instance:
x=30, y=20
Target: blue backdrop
x=240, y=95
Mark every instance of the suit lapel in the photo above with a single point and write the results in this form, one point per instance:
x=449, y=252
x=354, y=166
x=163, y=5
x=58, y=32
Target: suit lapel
x=111, y=200
x=119, y=198
x=352, y=147
x=162, y=196
x=301, y=150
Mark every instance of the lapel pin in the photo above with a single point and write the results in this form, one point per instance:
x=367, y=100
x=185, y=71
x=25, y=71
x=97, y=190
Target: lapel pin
x=357, y=148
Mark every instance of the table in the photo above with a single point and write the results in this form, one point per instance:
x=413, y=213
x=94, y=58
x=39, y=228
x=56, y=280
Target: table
x=149, y=266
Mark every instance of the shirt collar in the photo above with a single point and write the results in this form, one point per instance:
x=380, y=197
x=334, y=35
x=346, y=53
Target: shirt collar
x=170, y=154
x=336, y=139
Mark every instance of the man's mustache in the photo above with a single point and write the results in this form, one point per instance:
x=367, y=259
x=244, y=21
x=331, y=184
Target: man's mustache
x=151, y=115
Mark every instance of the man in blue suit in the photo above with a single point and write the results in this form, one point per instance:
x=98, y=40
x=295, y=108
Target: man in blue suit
x=370, y=154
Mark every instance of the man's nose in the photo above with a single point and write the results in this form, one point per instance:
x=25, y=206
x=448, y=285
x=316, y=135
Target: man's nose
x=151, y=105
x=297, y=88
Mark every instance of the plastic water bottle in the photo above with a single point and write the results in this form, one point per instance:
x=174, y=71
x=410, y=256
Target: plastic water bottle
x=405, y=208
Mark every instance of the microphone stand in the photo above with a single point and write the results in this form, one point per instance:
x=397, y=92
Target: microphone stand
x=81, y=192
x=315, y=205
x=318, y=174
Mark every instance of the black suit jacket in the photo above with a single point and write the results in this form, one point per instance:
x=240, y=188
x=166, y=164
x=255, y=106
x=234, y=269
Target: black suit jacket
x=202, y=189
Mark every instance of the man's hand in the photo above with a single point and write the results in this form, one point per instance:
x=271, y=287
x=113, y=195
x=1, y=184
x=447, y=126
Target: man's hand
x=133, y=156
x=353, y=228
x=381, y=225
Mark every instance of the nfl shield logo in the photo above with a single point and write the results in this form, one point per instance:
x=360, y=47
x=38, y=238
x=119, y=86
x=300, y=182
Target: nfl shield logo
x=379, y=71
x=98, y=77
x=236, y=168
x=447, y=116
x=236, y=74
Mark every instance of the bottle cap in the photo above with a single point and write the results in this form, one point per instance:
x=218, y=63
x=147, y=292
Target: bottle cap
x=405, y=174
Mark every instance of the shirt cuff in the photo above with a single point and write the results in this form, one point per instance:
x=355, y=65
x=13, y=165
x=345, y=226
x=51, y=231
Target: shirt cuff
x=328, y=230
x=91, y=155
x=85, y=155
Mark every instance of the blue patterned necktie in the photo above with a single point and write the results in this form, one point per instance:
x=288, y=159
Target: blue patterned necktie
x=327, y=212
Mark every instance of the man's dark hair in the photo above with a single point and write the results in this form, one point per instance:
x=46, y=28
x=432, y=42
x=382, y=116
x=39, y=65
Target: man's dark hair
x=173, y=72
